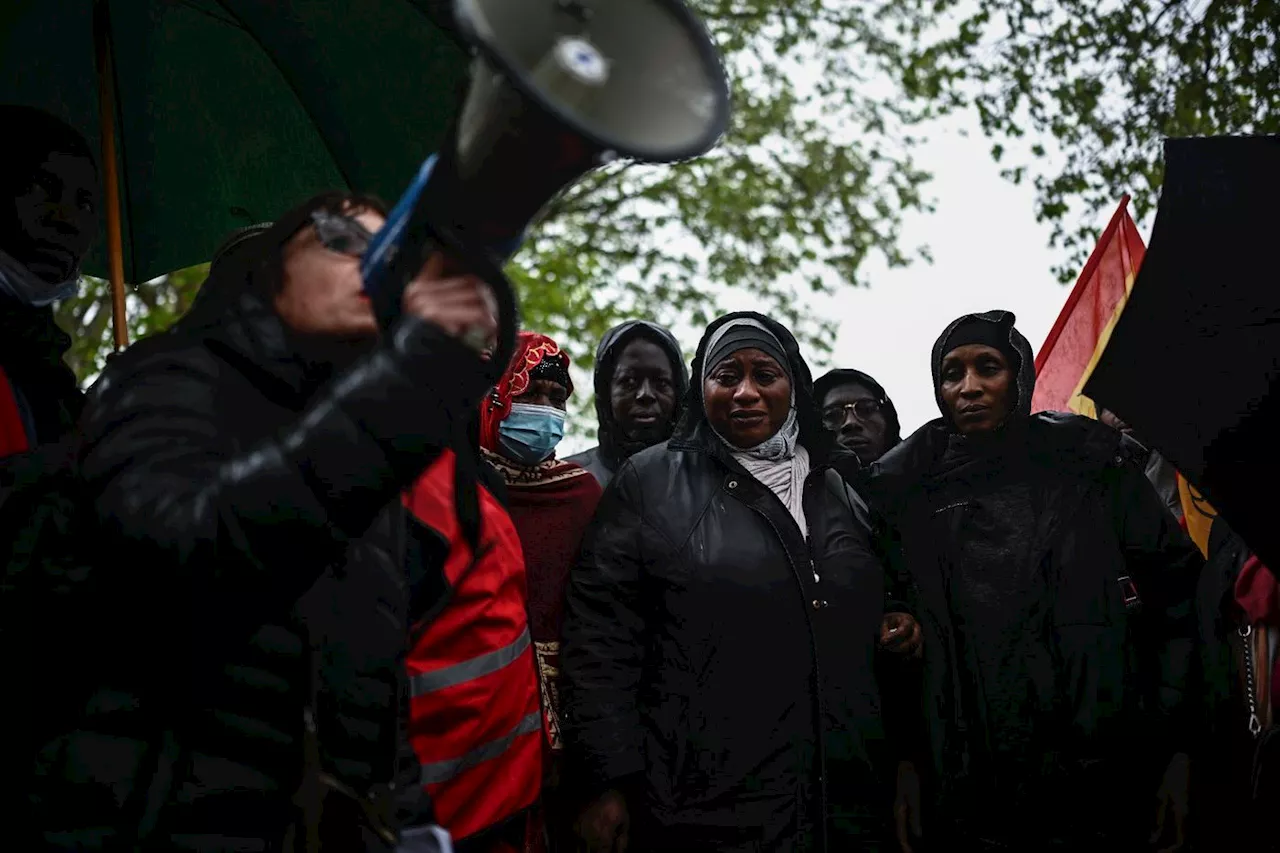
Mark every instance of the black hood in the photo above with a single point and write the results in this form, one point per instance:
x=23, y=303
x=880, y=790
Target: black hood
x=693, y=429
x=612, y=445
x=845, y=376
x=1026, y=369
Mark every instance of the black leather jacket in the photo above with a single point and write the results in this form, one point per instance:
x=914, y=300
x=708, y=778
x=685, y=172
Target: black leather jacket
x=245, y=507
x=717, y=664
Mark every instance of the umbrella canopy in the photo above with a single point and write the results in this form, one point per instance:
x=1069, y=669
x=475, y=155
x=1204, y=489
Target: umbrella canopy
x=228, y=112
x=1194, y=362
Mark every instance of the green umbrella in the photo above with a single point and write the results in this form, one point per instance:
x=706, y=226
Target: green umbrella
x=224, y=113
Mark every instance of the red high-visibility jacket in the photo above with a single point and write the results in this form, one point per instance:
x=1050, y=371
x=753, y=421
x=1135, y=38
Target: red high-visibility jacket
x=475, y=719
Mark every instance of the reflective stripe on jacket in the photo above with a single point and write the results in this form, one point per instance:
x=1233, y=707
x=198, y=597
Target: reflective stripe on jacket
x=475, y=717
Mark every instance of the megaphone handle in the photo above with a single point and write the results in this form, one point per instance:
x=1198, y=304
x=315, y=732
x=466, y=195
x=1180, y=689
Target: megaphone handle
x=387, y=305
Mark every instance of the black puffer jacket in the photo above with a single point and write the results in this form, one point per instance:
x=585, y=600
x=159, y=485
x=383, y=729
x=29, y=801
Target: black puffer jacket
x=1050, y=709
x=717, y=666
x=244, y=506
x=604, y=459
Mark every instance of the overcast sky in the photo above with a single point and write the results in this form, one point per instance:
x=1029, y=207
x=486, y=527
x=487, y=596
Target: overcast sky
x=989, y=252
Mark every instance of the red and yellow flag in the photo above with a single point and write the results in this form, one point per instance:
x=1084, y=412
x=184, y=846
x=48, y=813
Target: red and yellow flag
x=1084, y=326
x=1077, y=339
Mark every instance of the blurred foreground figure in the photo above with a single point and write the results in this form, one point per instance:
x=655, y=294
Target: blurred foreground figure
x=48, y=218
x=1055, y=593
x=722, y=627
x=640, y=381
x=243, y=636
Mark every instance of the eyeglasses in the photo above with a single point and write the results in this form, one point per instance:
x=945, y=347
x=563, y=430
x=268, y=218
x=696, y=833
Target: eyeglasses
x=834, y=417
x=341, y=233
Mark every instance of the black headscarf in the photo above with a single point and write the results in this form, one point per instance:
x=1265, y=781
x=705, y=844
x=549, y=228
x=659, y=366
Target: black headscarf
x=829, y=381
x=693, y=426
x=994, y=329
x=31, y=135
x=614, y=446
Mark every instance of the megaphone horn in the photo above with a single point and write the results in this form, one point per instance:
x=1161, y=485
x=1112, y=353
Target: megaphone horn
x=558, y=87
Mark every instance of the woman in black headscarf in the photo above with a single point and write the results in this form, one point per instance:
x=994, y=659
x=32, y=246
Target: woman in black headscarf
x=722, y=625
x=1054, y=591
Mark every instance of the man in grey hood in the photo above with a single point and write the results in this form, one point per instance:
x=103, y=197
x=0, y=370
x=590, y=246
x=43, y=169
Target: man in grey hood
x=640, y=378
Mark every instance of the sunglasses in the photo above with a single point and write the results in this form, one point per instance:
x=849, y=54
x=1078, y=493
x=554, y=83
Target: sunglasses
x=341, y=233
x=834, y=417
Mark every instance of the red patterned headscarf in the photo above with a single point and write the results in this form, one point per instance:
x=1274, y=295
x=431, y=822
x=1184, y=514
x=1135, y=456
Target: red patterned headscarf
x=531, y=350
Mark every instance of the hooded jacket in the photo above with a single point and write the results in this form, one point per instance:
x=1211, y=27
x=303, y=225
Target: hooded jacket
x=1045, y=697
x=717, y=664
x=255, y=592
x=604, y=459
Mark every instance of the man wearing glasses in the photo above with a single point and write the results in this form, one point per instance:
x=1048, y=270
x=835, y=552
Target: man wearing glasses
x=855, y=407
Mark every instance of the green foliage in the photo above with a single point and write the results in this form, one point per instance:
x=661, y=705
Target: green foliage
x=1108, y=81
x=150, y=308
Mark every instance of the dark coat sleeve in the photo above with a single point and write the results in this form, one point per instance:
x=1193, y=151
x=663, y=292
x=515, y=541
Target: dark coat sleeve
x=603, y=648
x=901, y=679
x=1165, y=566
x=181, y=516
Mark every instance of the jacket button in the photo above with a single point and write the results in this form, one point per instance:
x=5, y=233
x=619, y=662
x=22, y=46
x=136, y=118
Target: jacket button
x=819, y=603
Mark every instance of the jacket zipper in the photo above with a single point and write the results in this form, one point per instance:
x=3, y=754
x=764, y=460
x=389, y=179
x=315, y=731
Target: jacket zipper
x=820, y=716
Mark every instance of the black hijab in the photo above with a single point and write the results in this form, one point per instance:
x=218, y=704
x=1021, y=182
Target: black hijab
x=615, y=447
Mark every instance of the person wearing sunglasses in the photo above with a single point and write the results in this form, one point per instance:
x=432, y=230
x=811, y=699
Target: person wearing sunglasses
x=856, y=408
x=243, y=660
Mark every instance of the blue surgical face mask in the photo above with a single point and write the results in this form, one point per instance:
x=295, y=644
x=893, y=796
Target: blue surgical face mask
x=529, y=434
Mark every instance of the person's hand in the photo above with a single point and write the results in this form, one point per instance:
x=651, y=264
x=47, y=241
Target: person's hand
x=906, y=806
x=1174, y=798
x=900, y=634
x=461, y=305
x=604, y=825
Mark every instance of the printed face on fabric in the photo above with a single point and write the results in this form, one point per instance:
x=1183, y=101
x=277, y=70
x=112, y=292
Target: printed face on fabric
x=747, y=397
x=322, y=292
x=56, y=215
x=977, y=388
x=855, y=414
x=642, y=391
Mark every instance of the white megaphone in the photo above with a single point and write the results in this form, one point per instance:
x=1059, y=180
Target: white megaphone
x=557, y=88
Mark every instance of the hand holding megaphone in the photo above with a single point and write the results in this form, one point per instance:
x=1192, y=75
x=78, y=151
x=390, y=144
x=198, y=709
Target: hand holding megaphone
x=460, y=304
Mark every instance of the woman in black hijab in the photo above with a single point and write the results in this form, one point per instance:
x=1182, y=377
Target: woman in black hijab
x=1054, y=592
x=722, y=627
